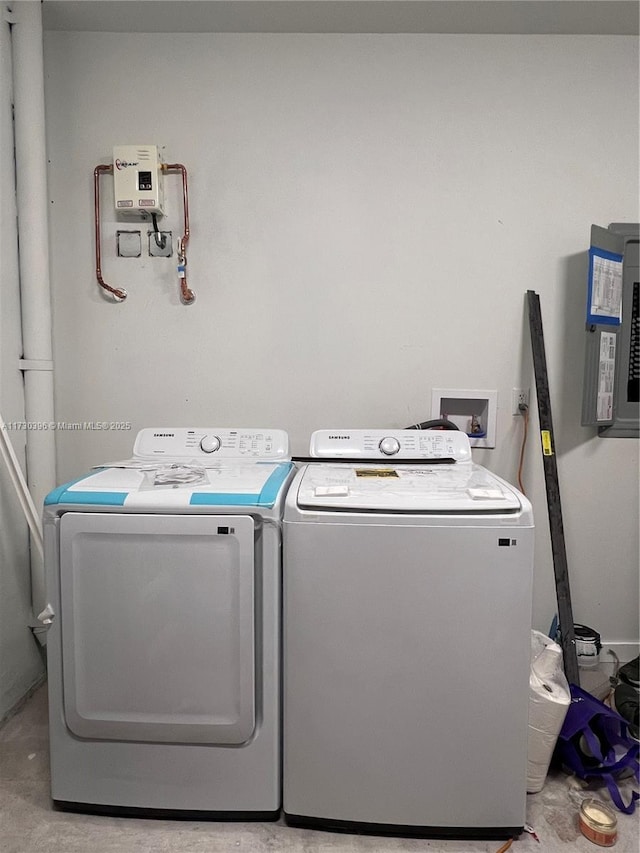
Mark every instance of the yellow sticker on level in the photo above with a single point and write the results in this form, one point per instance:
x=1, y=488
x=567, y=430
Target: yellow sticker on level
x=547, y=447
x=376, y=472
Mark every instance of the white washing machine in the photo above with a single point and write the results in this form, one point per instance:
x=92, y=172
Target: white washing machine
x=164, y=576
x=407, y=615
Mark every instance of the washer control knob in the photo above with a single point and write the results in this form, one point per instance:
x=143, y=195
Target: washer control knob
x=210, y=443
x=389, y=446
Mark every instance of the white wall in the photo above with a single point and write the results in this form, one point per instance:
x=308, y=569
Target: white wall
x=367, y=214
x=21, y=664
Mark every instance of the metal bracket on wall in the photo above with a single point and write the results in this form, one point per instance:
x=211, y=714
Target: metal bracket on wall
x=34, y=364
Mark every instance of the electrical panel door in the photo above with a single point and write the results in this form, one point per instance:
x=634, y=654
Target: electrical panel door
x=611, y=398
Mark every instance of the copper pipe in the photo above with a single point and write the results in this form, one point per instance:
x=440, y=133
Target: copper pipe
x=116, y=291
x=186, y=295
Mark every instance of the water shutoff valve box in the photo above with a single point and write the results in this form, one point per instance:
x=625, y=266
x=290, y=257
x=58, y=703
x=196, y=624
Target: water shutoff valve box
x=137, y=180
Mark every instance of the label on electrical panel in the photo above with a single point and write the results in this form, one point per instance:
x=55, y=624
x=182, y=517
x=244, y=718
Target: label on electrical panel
x=547, y=447
x=606, y=376
x=128, y=203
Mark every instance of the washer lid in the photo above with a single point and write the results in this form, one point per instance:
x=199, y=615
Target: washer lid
x=171, y=484
x=463, y=488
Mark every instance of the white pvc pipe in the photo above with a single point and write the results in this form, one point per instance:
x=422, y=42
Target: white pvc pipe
x=22, y=491
x=32, y=203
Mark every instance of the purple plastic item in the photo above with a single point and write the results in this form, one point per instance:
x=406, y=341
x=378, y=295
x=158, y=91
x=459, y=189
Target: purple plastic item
x=594, y=742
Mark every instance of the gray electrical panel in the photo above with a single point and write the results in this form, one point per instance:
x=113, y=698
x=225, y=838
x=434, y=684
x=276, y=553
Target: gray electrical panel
x=611, y=392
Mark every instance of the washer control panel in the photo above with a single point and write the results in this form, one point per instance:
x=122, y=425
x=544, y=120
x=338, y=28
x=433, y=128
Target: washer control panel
x=396, y=444
x=211, y=443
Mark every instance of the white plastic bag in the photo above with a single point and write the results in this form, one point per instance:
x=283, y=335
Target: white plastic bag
x=549, y=698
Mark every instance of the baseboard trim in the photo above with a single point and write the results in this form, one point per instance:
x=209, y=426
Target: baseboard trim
x=624, y=651
x=17, y=706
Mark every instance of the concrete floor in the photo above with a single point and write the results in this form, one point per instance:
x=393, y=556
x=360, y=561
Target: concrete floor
x=28, y=824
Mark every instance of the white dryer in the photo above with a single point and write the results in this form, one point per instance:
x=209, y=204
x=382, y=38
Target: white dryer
x=407, y=615
x=164, y=576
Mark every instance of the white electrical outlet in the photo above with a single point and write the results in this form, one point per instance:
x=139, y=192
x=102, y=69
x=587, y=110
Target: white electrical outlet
x=519, y=397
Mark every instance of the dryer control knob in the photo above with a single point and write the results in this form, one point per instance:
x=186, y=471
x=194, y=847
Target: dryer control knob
x=210, y=443
x=389, y=446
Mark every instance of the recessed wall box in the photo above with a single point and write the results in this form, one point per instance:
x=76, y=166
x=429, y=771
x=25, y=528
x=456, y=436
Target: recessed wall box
x=473, y=412
x=137, y=180
x=129, y=244
x=160, y=251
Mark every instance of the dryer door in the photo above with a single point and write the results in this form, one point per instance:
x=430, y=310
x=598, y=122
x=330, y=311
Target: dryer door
x=158, y=632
